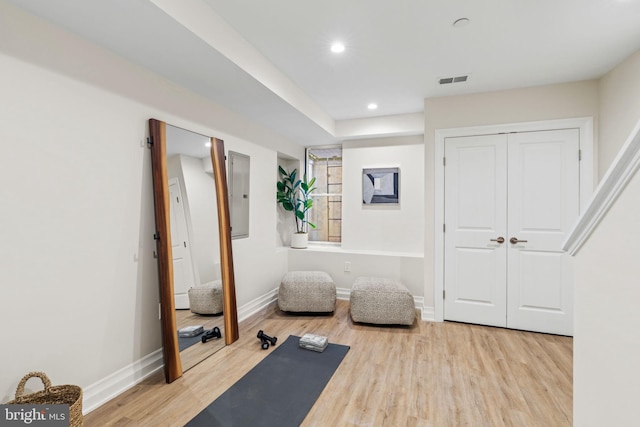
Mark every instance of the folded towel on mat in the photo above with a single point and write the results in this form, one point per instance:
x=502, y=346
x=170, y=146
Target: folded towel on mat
x=314, y=342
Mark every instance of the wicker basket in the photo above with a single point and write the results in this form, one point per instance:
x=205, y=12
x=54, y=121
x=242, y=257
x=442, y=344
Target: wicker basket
x=52, y=395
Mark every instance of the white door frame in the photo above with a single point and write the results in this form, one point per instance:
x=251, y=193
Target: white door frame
x=587, y=175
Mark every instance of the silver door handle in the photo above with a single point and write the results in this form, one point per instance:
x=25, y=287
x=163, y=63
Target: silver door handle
x=499, y=240
x=515, y=240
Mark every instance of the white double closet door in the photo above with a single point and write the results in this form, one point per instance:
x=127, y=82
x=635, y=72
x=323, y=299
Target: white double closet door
x=510, y=200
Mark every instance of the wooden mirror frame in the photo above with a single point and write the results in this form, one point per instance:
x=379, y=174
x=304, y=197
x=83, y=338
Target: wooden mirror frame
x=172, y=363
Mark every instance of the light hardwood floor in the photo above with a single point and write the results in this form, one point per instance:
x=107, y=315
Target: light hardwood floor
x=429, y=374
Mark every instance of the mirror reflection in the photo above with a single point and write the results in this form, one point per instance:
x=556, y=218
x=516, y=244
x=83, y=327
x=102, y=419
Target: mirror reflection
x=195, y=245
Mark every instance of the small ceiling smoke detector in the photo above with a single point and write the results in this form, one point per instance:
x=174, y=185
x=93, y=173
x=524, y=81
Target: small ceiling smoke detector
x=456, y=79
x=461, y=22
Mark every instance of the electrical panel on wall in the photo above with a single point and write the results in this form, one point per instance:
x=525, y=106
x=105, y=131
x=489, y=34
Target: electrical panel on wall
x=239, y=168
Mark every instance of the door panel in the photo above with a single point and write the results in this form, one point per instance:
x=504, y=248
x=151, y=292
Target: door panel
x=540, y=280
x=475, y=194
x=183, y=276
x=543, y=205
x=473, y=264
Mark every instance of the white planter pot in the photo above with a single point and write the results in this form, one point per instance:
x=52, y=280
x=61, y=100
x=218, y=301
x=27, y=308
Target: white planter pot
x=299, y=240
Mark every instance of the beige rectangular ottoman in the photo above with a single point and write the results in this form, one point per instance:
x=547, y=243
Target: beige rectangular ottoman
x=206, y=298
x=307, y=291
x=381, y=301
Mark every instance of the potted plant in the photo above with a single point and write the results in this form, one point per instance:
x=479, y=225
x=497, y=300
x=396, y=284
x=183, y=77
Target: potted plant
x=293, y=195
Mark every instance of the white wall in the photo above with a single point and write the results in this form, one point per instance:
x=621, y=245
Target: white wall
x=383, y=241
x=607, y=291
x=579, y=99
x=408, y=268
x=394, y=228
x=79, y=279
x=619, y=108
x=258, y=259
x=607, y=320
x=397, y=125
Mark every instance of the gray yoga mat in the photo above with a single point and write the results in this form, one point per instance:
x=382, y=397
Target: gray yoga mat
x=186, y=342
x=278, y=392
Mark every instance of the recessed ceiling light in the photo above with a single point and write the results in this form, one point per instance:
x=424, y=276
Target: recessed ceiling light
x=461, y=22
x=207, y=144
x=337, y=47
x=372, y=106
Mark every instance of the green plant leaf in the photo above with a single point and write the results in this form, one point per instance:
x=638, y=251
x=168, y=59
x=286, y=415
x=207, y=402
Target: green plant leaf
x=311, y=225
x=293, y=195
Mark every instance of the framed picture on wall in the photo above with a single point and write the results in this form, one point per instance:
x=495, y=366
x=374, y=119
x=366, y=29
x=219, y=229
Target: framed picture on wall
x=380, y=186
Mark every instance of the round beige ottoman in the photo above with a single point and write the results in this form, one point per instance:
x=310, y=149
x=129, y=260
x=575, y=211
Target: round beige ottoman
x=307, y=291
x=381, y=301
x=206, y=298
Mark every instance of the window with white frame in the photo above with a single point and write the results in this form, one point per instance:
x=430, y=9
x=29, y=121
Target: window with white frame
x=325, y=165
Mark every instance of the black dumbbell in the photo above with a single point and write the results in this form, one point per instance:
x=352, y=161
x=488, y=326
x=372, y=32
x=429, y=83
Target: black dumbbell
x=211, y=334
x=266, y=339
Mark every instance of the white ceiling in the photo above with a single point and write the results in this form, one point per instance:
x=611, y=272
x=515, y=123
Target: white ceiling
x=270, y=60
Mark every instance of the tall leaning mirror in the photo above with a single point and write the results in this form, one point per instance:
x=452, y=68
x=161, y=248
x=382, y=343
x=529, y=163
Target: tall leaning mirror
x=195, y=262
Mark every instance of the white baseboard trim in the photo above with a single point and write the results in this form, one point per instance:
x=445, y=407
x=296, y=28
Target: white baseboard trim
x=109, y=387
x=428, y=314
x=419, y=301
x=254, y=306
x=343, y=293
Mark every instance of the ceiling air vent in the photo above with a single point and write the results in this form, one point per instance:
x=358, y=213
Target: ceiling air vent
x=449, y=80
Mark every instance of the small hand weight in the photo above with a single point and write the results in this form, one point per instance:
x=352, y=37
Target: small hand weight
x=266, y=339
x=211, y=334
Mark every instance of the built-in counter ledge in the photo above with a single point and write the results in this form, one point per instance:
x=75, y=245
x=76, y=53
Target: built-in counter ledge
x=340, y=250
x=621, y=171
